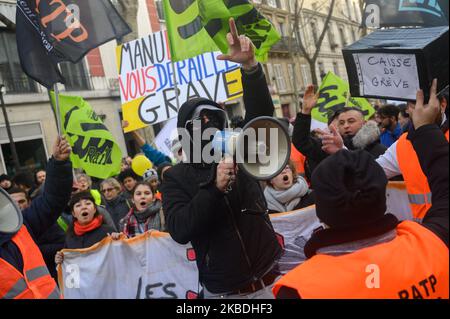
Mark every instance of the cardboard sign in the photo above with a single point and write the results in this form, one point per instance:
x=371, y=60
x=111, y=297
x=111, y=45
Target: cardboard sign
x=148, y=78
x=389, y=75
x=394, y=63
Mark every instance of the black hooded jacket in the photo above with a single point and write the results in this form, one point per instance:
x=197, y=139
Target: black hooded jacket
x=232, y=235
x=44, y=210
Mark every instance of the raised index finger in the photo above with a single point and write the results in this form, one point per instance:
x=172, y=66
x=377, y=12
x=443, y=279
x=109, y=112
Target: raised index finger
x=234, y=31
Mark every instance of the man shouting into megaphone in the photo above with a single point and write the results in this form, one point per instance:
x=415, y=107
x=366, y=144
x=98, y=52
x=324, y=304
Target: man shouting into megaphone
x=217, y=207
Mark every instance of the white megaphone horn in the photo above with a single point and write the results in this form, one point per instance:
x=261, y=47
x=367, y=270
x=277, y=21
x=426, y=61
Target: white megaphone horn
x=261, y=150
x=10, y=215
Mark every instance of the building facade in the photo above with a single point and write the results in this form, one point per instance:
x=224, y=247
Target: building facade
x=288, y=71
x=95, y=79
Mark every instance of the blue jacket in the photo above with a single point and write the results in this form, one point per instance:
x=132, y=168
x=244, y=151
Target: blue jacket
x=44, y=210
x=155, y=156
x=388, y=138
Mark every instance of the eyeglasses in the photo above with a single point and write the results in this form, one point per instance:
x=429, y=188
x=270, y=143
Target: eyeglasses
x=107, y=190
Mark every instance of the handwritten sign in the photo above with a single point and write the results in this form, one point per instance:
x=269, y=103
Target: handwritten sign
x=387, y=75
x=147, y=80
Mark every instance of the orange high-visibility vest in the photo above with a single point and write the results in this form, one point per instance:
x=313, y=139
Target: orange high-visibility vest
x=413, y=265
x=416, y=182
x=298, y=159
x=35, y=282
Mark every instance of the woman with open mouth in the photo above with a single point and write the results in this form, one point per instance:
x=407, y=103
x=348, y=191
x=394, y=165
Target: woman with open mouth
x=146, y=213
x=88, y=226
x=288, y=191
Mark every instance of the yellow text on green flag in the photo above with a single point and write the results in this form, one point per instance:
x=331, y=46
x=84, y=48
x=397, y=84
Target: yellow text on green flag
x=93, y=146
x=334, y=95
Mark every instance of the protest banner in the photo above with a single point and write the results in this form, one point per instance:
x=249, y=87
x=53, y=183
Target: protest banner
x=149, y=81
x=153, y=265
x=333, y=96
x=148, y=266
x=94, y=148
x=199, y=26
x=164, y=139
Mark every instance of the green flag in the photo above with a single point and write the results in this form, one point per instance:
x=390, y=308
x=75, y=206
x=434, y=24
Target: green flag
x=334, y=95
x=93, y=146
x=199, y=26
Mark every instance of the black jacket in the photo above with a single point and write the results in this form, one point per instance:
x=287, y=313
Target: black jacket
x=232, y=235
x=118, y=208
x=87, y=240
x=49, y=244
x=44, y=210
x=433, y=153
x=311, y=147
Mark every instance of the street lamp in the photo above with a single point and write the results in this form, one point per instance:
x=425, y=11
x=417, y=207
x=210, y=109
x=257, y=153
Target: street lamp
x=8, y=130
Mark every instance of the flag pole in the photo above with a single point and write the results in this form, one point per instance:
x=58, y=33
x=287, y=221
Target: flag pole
x=57, y=109
x=175, y=83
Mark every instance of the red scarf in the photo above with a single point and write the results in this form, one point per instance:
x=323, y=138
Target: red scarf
x=80, y=230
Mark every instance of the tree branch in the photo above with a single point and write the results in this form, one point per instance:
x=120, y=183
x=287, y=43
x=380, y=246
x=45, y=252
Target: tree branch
x=9, y=24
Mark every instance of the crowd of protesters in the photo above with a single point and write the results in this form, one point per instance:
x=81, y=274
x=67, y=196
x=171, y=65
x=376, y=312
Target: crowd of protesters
x=236, y=252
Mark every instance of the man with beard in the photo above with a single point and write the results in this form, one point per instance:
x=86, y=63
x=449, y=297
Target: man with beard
x=401, y=159
x=389, y=124
x=229, y=228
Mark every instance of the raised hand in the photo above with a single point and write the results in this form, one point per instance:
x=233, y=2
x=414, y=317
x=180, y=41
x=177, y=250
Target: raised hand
x=426, y=114
x=309, y=100
x=241, y=49
x=61, y=149
x=332, y=143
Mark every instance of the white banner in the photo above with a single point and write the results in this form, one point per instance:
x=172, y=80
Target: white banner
x=153, y=265
x=165, y=138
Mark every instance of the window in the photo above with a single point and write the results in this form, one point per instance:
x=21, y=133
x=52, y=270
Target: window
x=336, y=68
x=286, y=111
x=75, y=76
x=357, y=12
x=291, y=68
x=11, y=74
x=349, y=10
x=331, y=40
x=272, y=3
x=29, y=143
x=322, y=72
x=314, y=32
x=279, y=76
x=305, y=75
x=342, y=34
x=281, y=29
x=353, y=35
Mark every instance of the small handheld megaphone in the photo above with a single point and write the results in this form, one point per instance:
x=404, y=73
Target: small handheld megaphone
x=262, y=149
x=10, y=215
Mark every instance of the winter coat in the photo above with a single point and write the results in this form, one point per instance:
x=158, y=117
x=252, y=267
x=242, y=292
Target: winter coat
x=88, y=239
x=368, y=138
x=44, y=210
x=232, y=235
x=118, y=208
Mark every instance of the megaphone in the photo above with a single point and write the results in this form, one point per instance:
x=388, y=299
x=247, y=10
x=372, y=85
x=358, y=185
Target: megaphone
x=262, y=149
x=10, y=215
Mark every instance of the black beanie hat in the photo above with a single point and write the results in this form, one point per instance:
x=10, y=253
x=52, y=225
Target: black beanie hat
x=350, y=189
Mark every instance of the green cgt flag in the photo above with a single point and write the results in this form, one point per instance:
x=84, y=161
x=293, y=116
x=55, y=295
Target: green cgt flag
x=334, y=95
x=93, y=146
x=199, y=26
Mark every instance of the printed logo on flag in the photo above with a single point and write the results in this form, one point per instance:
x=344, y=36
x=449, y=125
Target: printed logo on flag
x=430, y=6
